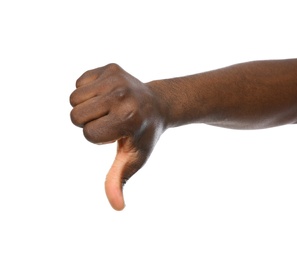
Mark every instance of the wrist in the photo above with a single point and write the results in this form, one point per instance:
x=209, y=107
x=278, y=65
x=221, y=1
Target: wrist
x=173, y=100
x=160, y=96
x=184, y=100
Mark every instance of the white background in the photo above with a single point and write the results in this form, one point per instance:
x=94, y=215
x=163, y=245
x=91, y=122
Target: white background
x=205, y=193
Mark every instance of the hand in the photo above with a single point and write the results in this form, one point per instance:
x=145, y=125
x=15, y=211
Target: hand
x=111, y=105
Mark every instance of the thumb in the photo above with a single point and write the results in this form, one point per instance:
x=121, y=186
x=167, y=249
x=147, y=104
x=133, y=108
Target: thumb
x=124, y=166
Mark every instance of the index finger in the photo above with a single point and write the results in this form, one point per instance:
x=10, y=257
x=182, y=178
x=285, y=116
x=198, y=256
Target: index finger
x=88, y=77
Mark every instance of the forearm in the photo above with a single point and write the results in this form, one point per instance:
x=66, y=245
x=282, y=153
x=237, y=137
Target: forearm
x=250, y=95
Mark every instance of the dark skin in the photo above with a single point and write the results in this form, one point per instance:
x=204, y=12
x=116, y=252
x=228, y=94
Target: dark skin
x=112, y=105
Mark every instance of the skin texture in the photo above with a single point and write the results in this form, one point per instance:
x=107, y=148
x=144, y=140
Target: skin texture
x=112, y=105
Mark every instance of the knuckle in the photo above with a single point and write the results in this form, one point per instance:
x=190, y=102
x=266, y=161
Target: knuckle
x=113, y=67
x=120, y=93
x=75, y=117
x=81, y=79
x=73, y=99
x=78, y=82
x=86, y=77
x=131, y=115
x=132, y=119
x=89, y=134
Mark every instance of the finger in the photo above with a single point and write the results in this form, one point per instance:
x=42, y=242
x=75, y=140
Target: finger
x=91, y=109
x=91, y=75
x=80, y=95
x=99, y=87
x=124, y=166
x=88, y=77
x=104, y=130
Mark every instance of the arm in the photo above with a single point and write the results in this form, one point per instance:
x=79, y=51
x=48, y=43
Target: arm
x=111, y=105
x=251, y=95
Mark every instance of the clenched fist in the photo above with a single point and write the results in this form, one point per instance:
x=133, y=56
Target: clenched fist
x=111, y=105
